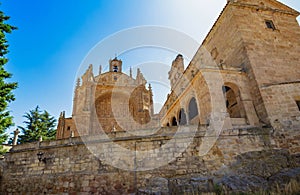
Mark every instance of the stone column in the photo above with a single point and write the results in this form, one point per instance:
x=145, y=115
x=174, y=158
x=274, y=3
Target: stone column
x=16, y=135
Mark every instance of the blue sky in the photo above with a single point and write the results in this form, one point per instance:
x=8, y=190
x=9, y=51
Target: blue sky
x=55, y=36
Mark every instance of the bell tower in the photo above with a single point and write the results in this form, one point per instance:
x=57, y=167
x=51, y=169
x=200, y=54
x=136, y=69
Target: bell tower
x=115, y=65
x=176, y=71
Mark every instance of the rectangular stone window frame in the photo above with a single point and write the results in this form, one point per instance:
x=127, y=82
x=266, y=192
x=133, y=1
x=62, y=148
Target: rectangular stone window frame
x=270, y=24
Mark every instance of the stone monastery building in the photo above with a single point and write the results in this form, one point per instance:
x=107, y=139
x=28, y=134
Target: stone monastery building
x=245, y=78
x=246, y=71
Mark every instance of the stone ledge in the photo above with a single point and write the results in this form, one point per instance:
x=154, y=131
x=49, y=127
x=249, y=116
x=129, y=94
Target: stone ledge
x=166, y=133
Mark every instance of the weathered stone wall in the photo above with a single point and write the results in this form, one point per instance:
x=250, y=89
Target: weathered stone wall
x=227, y=39
x=273, y=54
x=68, y=166
x=281, y=104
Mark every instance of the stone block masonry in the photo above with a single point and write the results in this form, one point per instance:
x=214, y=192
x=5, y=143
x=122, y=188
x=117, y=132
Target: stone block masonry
x=67, y=166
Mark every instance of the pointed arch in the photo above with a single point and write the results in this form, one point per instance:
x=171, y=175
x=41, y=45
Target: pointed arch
x=182, y=117
x=192, y=109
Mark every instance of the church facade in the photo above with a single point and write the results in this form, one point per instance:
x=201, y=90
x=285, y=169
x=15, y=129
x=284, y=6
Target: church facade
x=111, y=101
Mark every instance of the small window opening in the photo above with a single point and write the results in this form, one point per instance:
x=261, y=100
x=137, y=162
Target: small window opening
x=270, y=24
x=115, y=69
x=174, y=121
x=68, y=128
x=298, y=104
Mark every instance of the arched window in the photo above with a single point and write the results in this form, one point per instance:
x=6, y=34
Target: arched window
x=193, y=109
x=115, y=68
x=174, y=121
x=232, y=103
x=182, y=117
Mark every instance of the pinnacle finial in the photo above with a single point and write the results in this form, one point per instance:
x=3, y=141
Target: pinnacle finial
x=130, y=72
x=100, y=69
x=138, y=71
x=149, y=86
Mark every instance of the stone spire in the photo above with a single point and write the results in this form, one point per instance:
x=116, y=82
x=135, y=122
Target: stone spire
x=100, y=69
x=140, y=78
x=62, y=114
x=150, y=88
x=176, y=71
x=151, y=100
x=130, y=72
x=88, y=75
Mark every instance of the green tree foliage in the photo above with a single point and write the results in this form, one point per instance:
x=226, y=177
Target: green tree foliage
x=38, y=124
x=6, y=88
